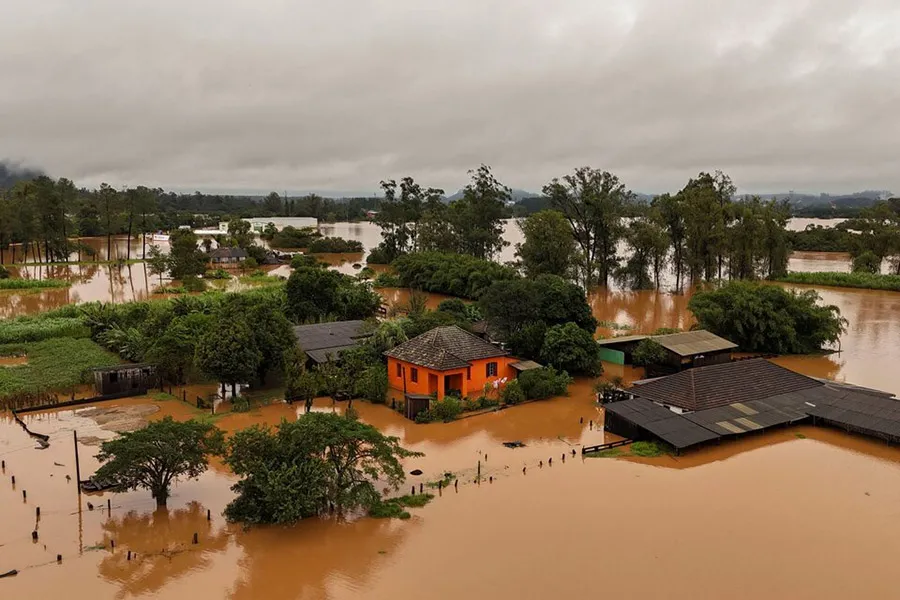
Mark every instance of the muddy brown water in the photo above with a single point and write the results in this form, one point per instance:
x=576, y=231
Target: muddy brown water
x=798, y=512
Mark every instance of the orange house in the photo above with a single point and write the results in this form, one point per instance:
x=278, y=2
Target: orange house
x=447, y=359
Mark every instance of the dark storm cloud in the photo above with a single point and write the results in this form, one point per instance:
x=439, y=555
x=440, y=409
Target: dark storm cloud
x=259, y=95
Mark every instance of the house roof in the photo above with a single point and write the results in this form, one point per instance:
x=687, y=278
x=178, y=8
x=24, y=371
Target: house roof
x=720, y=385
x=228, y=253
x=322, y=340
x=685, y=343
x=661, y=422
x=525, y=365
x=445, y=348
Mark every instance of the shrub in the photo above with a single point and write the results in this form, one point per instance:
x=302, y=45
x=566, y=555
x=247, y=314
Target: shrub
x=249, y=263
x=372, y=384
x=366, y=273
x=572, y=349
x=768, y=318
x=444, y=411
x=542, y=383
x=452, y=274
x=291, y=237
x=334, y=245
x=649, y=352
x=867, y=262
x=217, y=274
x=4, y=274
x=298, y=261
x=384, y=280
x=192, y=283
x=479, y=403
x=512, y=392
x=378, y=256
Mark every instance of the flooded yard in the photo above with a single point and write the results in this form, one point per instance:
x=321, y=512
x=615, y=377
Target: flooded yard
x=699, y=523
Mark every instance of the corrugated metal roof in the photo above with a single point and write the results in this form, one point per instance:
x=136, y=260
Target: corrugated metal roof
x=526, y=365
x=670, y=427
x=621, y=339
x=685, y=343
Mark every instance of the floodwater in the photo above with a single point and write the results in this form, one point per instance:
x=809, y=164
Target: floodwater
x=703, y=525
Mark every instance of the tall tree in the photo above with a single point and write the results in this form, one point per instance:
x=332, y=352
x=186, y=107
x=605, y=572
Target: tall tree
x=186, y=258
x=549, y=246
x=649, y=246
x=273, y=203
x=706, y=200
x=477, y=217
x=593, y=203
x=109, y=205
x=159, y=454
x=400, y=214
x=228, y=352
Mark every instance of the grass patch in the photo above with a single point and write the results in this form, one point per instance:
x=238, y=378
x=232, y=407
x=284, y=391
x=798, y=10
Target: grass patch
x=33, y=284
x=36, y=329
x=442, y=483
x=161, y=396
x=257, y=278
x=55, y=364
x=648, y=449
x=170, y=289
x=869, y=281
x=394, y=508
x=799, y=436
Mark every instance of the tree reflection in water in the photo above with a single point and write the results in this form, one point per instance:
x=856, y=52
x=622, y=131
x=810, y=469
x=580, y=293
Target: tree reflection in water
x=162, y=541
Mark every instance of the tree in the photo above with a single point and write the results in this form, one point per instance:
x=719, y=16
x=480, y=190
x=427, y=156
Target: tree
x=305, y=467
x=649, y=352
x=649, y=245
x=399, y=215
x=477, y=217
x=240, y=233
x=109, y=204
x=185, y=257
x=593, y=202
x=571, y=349
x=768, y=318
x=174, y=350
x=273, y=203
x=549, y=246
x=372, y=384
x=158, y=263
x=706, y=216
x=867, y=262
x=228, y=352
x=159, y=454
x=672, y=213
x=387, y=335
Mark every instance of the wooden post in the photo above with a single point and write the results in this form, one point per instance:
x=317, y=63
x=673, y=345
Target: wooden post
x=208, y=515
x=34, y=535
x=59, y=558
x=14, y=480
x=108, y=505
x=24, y=495
x=37, y=512
x=195, y=540
x=112, y=544
x=77, y=463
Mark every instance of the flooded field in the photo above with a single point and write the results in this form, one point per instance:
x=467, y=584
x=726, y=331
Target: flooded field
x=698, y=523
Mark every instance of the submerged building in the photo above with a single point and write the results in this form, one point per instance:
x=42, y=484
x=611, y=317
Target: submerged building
x=707, y=404
x=685, y=350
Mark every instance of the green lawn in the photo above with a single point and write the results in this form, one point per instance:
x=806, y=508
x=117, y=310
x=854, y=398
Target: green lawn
x=55, y=364
x=36, y=329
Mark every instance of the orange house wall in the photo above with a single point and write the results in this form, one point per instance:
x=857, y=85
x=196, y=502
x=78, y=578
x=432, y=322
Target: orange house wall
x=473, y=379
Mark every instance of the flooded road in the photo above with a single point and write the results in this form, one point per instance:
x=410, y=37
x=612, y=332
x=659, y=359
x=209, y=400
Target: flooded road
x=698, y=523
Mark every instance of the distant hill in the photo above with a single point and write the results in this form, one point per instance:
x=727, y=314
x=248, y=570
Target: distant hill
x=10, y=173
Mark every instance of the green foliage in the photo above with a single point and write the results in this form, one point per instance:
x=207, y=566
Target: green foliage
x=547, y=382
x=867, y=262
x=32, y=284
x=387, y=335
x=522, y=310
x=649, y=352
x=221, y=274
x=291, y=237
x=192, y=283
x=452, y=274
x=299, y=261
x=185, y=257
x=157, y=262
x=768, y=318
x=4, y=272
x=249, y=263
x=383, y=280
x=334, y=245
x=158, y=455
x=366, y=273
x=304, y=467
x=648, y=449
x=649, y=243
x=40, y=327
x=571, y=349
x=549, y=246
x=868, y=281
x=372, y=384
x=228, y=352
x=379, y=255
x=480, y=403
x=816, y=238
x=441, y=411
x=316, y=294
x=665, y=331
x=53, y=364
x=464, y=313
x=512, y=392
x=393, y=508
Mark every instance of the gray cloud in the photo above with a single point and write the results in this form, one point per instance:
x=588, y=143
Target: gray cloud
x=299, y=95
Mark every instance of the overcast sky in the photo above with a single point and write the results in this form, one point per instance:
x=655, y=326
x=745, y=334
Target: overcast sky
x=338, y=94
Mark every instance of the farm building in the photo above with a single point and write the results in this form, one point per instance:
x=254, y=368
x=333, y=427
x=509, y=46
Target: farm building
x=447, y=359
x=720, y=401
x=225, y=256
x=685, y=349
x=124, y=380
x=324, y=341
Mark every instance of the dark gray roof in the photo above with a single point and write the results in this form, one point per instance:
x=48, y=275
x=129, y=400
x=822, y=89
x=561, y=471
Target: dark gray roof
x=670, y=427
x=685, y=343
x=122, y=367
x=742, y=417
x=445, y=348
x=323, y=339
x=866, y=412
x=720, y=385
